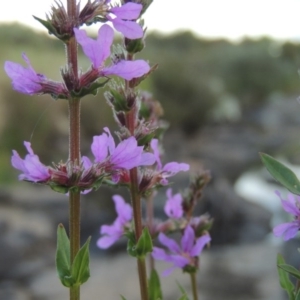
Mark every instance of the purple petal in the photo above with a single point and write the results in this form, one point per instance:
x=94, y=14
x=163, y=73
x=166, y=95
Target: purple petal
x=155, y=148
x=36, y=171
x=147, y=159
x=106, y=241
x=159, y=254
x=169, y=243
x=110, y=141
x=123, y=209
x=127, y=69
x=100, y=147
x=127, y=154
x=289, y=230
x=31, y=166
x=173, y=207
x=99, y=50
x=188, y=239
x=200, y=243
x=114, y=229
x=290, y=207
x=128, y=11
x=179, y=260
x=17, y=162
x=130, y=29
x=28, y=148
x=24, y=80
x=86, y=162
x=173, y=168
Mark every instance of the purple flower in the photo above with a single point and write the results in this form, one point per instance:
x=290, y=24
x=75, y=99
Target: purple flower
x=126, y=155
x=114, y=232
x=121, y=16
x=184, y=255
x=24, y=80
x=173, y=207
x=99, y=50
x=169, y=169
x=32, y=168
x=291, y=206
x=27, y=81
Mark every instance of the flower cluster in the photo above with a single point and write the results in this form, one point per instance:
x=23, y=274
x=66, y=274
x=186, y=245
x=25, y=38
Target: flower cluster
x=110, y=161
x=28, y=81
x=184, y=256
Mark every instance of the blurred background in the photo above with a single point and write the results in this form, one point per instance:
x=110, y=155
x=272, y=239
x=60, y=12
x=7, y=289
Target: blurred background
x=228, y=83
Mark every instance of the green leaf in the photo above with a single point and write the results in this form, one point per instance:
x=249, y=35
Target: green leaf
x=297, y=295
x=183, y=292
x=63, y=256
x=144, y=244
x=123, y=298
x=155, y=292
x=131, y=248
x=281, y=173
x=80, y=270
x=59, y=188
x=290, y=269
x=90, y=90
x=52, y=29
x=284, y=279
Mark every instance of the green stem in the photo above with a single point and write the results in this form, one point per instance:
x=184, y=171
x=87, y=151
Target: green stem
x=74, y=149
x=194, y=285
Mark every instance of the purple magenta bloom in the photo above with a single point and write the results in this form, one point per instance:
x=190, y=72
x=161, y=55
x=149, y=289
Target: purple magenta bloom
x=173, y=207
x=169, y=169
x=32, y=168
x=99, y=50
x=114, y=232
x=183, y=255
x=24, y=80
x=121, y=17
x=126, y=155
x=291, y=206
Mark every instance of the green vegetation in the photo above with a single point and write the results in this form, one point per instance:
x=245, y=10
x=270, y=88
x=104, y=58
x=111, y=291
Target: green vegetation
x=195, y=81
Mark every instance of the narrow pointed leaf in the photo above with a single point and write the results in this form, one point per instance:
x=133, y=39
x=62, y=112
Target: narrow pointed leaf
x=144, y=244
x=123, y=298
x=284, y=279
x=80, y=270
x=297, y=295
x=281, y=173
x=183, y=292
x=52, y=29
x=155, y=292
x=290, y=269
x=63, y=256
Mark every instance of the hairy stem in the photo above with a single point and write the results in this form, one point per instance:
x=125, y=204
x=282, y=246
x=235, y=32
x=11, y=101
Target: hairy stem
x=136, y=202
x=74, y=148
x=74, y=196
